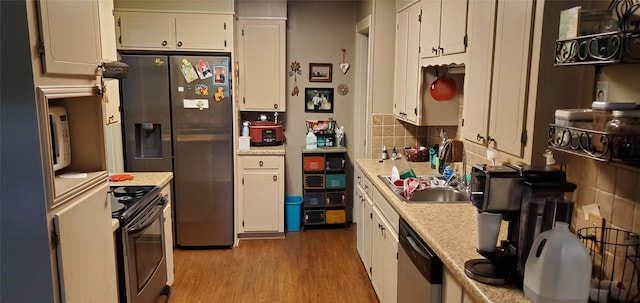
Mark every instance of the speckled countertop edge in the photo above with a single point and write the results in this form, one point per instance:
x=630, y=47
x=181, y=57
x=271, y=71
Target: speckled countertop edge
x=159, y=179
x=448, y=228
x=263, y=150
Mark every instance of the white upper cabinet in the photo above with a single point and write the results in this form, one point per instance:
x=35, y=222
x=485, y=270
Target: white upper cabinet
x=406, y=90
x=511, y=86
x=412, y=101
x=70, y=37
x=444, y=29
x=145, y=30
x=174, y=31
x=261, y=51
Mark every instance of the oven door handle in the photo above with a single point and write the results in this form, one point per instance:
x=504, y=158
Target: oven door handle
x=148, y=220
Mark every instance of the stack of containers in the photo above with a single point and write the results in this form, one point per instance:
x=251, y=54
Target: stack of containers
x=604, y=112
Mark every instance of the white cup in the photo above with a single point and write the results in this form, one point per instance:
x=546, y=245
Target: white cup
x=488, y=229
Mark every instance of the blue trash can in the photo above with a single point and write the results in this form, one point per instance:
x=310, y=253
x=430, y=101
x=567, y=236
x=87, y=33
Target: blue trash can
x=293, y=212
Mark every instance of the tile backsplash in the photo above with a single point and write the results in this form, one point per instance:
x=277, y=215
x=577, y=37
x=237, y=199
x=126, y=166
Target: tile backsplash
x=388, y=131
x=614, y=188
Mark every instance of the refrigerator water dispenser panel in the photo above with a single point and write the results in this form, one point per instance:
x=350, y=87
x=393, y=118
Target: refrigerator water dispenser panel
x=148, y=140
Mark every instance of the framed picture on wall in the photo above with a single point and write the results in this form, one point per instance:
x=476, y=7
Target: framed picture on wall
x=318, y=100
x=320, y=72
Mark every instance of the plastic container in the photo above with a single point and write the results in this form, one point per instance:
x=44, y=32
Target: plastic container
x=312, y=140
x=558, y=269
x=293, y=211
x=626, y=124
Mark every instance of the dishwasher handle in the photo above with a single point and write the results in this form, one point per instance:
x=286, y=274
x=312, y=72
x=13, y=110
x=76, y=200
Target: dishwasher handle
x=424, y=253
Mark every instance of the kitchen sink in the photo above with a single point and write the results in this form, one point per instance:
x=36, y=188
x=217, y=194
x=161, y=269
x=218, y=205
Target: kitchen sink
x=428, y=195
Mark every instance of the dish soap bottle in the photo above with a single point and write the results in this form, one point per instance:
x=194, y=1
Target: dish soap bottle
x=312, y=142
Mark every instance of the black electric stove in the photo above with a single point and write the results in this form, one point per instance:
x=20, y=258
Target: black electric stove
x=129, y=201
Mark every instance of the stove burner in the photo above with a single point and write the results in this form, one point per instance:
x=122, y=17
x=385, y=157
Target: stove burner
x=128, y=201
x=124, y=198
x=134, y=191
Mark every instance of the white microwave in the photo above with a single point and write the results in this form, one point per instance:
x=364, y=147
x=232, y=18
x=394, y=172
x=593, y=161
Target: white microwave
x=60, y=138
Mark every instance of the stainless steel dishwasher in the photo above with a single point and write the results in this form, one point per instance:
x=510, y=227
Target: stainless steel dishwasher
x=419, y=269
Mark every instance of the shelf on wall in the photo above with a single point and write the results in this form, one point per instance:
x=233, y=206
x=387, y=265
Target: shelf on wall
x=599, y=49
x=594, y=144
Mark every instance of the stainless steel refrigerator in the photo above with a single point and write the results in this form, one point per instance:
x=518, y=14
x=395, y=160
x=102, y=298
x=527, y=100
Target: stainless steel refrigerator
x=177, y=116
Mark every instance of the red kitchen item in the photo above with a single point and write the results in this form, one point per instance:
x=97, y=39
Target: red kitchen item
x=265, y=133
x=120, y=177
x=442, y=88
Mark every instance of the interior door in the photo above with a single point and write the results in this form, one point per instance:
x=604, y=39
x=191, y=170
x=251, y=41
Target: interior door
x=85, y=250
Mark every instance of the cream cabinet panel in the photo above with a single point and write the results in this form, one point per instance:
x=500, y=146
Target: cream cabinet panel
x=111, y=101
x=70, y=37
x=430, y=28
x=174, y=31
x=139, y=30
x=207, y=32
x=261, y=52
x=453, y=27
x=261, y=195
x=444, y=28
x=85, y=249
x=384, y=262
x=478, y=71
x=367, y=233
x=510, y=75
x=451, y=288
x=407, y=101
x=467, y=299
x=168, y=233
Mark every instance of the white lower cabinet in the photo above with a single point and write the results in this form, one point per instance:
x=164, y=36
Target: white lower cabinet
x=168, y=232
x=451, y=289
x=384, y=258
x=261, y=198
x=377, y=239
x=84, y=248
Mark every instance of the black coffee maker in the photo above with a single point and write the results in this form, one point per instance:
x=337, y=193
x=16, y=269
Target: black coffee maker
x=530, y=199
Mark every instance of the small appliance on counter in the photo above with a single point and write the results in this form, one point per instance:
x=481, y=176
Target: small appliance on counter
x=530, y=199
x=265, y=133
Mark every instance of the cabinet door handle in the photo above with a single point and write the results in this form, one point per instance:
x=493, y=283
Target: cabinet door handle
x=275, y=106
x=479, y=138
x=441, y=50
x=164, y=43
x=434, y=50
x=491, y=140
x=275, y=178
x=179, y=43
x=261, y=163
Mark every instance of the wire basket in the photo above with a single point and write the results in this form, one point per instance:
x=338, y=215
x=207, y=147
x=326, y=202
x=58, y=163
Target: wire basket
x=615, y=258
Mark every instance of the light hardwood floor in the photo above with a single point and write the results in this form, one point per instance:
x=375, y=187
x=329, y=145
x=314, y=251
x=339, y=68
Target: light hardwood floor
x=320, y=265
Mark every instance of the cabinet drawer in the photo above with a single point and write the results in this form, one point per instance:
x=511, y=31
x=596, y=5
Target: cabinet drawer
x=335, y=216
x=335, y=180
x=313, y=199
x=313, y=163
x=260, y=162
x=313, y=181
x=314, y=216
x=335, y=198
